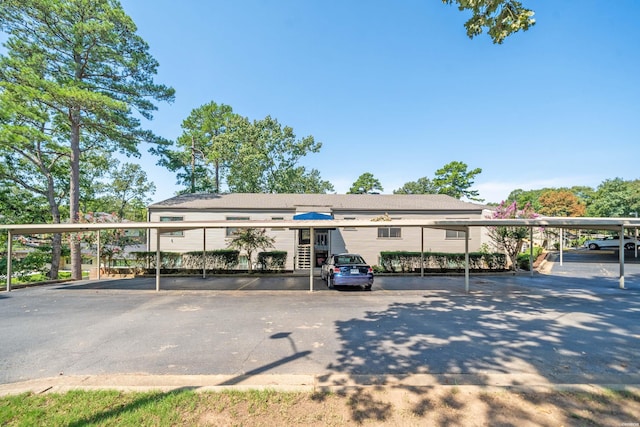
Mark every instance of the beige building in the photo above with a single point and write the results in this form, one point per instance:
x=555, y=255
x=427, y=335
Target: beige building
x=368, y=242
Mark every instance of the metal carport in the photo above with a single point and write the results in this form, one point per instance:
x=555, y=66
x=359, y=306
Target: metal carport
x=614, y=224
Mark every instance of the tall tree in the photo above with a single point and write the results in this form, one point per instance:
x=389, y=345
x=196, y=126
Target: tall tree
x=91, y=70
x=32, y=159
x=422, y=186
x=366, y=183
x=561, y=203
x=263, y=157
x=615, y=198
x=500, y=18
x=454, y=180
x=125, y=192
x=199, y=157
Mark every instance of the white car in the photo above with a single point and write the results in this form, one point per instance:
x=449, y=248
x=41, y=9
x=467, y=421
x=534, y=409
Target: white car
x=611, y=242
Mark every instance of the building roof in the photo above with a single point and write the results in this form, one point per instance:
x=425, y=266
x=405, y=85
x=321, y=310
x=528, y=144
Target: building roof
x=317, y=202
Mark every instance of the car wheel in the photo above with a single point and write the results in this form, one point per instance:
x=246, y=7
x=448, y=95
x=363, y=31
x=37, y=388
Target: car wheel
x=593, y=246
x=629, y=246
x=329, y=282
x=367, y=288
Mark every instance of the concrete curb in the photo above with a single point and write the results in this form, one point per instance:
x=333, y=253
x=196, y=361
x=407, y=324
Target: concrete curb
x=308, y=383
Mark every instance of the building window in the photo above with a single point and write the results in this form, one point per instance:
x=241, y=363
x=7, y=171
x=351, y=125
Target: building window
x=277, y=218
x=454, y=234
x=232, y=230
x=172, y=219
x=350, y=218
x=389, y=233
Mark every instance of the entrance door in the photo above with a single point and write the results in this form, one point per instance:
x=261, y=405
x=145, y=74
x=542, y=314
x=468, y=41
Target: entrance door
x=321, y=246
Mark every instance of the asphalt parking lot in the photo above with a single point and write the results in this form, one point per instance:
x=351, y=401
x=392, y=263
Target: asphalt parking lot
x=571, y=325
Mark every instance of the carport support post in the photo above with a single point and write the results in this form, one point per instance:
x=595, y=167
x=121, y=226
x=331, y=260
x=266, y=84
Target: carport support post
x=531, y=251
x=98, y=249
x=312, y=241
x=204, y=253
x=561, y=244
x=621, y=256
x=421, y=251
x=9, y=250
x=466, y=260
x=158, y=260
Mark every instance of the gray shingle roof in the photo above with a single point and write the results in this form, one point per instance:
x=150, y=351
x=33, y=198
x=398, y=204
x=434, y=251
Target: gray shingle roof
x=317, y=202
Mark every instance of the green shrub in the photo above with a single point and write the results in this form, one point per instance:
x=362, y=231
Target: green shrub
x=148, y=258
x=220, y=259
x=273, y=260
x=523, y=258
x=404, y=261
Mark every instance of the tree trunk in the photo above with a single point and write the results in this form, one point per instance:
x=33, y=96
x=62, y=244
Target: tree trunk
x=74, y=194
x=56, y=241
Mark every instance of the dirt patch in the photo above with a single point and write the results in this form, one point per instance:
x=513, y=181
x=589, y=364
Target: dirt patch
x=438, y=406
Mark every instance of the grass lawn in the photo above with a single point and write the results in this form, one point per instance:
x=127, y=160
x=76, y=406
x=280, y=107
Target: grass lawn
x=364, y=406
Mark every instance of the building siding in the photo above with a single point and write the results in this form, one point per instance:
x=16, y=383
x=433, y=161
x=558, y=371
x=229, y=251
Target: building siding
x=359, y=240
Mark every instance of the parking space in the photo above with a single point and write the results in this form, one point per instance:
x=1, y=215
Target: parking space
x=579, y=267
x=509, y=330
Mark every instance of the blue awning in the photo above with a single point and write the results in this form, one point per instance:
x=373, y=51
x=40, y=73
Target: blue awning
x=312, y=215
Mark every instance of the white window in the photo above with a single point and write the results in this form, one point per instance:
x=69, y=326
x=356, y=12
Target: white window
x=454, y=234
x=171, y=219
x=389, y=233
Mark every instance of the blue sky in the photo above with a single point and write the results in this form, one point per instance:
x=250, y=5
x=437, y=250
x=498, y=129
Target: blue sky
x=396, y=88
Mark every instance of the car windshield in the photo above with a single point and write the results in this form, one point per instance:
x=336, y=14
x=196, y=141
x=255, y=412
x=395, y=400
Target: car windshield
x=349, y=259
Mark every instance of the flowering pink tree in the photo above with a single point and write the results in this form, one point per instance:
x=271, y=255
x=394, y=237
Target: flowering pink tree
x=510, y=239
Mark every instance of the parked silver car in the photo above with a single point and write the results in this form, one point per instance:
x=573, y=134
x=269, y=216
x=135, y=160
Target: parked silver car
x=347, y=270
x=611, y=242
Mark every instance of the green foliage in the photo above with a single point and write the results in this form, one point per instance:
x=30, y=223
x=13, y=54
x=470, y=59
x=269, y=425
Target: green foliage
x=422, y=186
x=202, y=153
x=523, y=258
x=273, y=260
x=510, y=239
x=34, y=261
x=615, y=198
x=126, y=191
x=221, y=259
x=89, y=77
x=169, y=260
x=406, y=262
x=249, y=240
x=366, y=183
x=500, y=18
x=263, y=157
x=454, y=180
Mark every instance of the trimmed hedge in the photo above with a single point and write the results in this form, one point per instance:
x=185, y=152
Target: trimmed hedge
x=409, y=262
x=273, y=260
x=221, y=259
x=523, y=258
x=169, y=260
